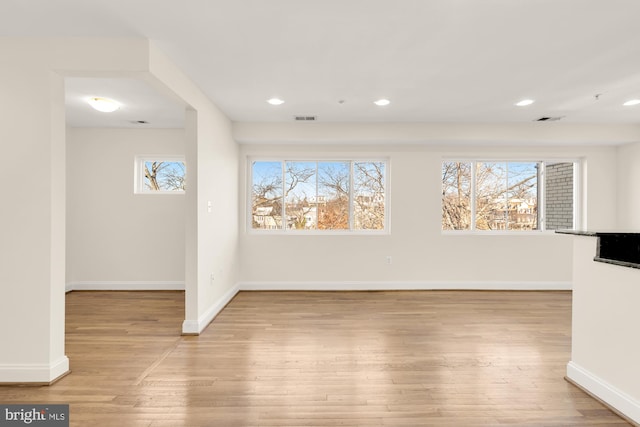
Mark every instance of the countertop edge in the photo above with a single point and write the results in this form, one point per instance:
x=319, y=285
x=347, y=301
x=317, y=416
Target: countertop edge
x=578, y=232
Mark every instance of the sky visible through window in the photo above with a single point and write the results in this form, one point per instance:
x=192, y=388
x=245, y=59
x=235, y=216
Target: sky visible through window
x=499, y=195
x=318, y=195
x=164, y=175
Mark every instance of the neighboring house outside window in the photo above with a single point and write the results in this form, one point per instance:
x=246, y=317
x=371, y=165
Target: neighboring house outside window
x=508, y=195
x=318, y=195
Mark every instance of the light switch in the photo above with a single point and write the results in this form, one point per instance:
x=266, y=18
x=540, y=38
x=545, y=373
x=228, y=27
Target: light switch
x=209, y=206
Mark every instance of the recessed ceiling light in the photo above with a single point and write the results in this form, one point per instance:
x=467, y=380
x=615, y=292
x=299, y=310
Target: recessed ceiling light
x=275, y=101
x=631, y=102
x=382, y=102
x=104, y=105
x=525, y=102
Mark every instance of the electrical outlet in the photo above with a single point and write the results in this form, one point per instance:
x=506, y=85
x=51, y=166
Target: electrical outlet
x=388, y=259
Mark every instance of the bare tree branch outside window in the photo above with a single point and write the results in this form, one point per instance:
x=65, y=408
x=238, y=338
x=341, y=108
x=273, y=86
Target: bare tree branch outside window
x=164, y=176
x=506, y=195
x=316, y=195
x=456, y=196
x=369, y=195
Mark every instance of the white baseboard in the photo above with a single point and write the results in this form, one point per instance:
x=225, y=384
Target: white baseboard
x=125, y=286
x=401, y=286
x=34, y=373
x=621, y=402
x=195, y=327
x=328, y=286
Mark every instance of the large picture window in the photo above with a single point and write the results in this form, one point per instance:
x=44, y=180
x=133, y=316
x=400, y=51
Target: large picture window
x=339, y=195
x=508, y=195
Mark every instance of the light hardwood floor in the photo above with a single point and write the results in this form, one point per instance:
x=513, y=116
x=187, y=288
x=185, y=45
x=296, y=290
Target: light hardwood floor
x=423, y=358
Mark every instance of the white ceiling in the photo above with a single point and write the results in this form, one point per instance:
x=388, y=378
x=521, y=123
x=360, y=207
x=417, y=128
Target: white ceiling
x=141, y=105
x=436, y=60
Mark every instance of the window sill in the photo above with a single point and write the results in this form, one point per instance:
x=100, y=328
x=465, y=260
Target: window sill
x=253, y=232
x=157, y=193
x=497, y=233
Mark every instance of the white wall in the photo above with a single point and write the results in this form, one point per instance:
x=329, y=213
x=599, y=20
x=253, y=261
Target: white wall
x=212, y=234
x=629, y=186
x=32, y=218
x=422, y=256
x=605, y=351
x=605, y=348
x=117, y=239
x=32, y=251
x=31, y=247
x=551, y=134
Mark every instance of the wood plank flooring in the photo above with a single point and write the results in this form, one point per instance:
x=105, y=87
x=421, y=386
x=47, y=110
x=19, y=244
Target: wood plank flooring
x=408, y=358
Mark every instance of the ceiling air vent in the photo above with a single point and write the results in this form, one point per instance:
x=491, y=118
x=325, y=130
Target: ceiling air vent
x=549, y=119
x=305, y=118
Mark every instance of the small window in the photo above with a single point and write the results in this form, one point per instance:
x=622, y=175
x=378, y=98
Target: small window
x=331, y=195
x=160, y=175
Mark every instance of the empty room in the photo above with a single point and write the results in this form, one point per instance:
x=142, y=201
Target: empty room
x=294, y=213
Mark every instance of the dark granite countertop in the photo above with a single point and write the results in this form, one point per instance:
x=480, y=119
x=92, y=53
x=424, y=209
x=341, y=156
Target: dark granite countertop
x=614, y=247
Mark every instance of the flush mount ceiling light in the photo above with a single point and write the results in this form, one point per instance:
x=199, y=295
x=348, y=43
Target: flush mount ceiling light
x=382, y=102
x=275, y=101
x=104, y=105
x=525, y=102
x=631, y=102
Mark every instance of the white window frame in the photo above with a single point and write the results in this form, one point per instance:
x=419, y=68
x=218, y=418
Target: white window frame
x=577, y=194
x=139, y=178
x=351, y=160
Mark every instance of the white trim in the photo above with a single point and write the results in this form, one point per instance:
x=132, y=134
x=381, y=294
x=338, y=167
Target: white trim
x=398, y=286
x=291, y=232
x=620, y=401
x=125, y=286
x=34, y=373
x=510, y=233
x=195, y=327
